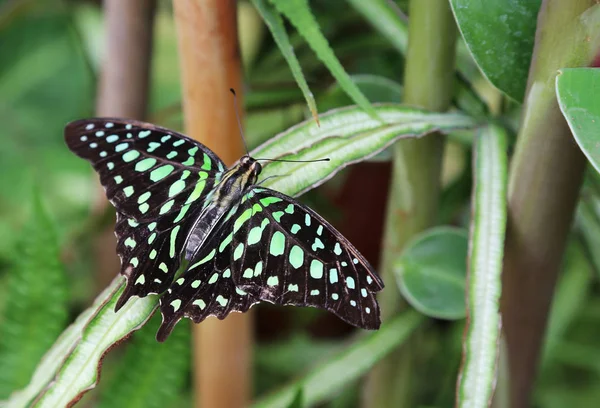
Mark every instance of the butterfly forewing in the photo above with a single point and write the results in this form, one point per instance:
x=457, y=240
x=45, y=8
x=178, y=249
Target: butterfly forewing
x=148, y=172
x=158, y=181
x=205, y=288
x=285, y=253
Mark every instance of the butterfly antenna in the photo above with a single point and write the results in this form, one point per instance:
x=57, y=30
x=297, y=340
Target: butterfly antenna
x=237, y=116
x=296, y=161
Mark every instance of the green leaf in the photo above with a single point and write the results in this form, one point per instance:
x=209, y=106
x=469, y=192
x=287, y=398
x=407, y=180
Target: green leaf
x=54, y=359
x=486, y=249
x=577, y=90
x=299, y=14
x=431, y=272
x=385, y=19
x=326, y=380
x=161, y=370
x=35, y=309
x=71, y=366
x=275, y=24
x=500, y=35
x=346, y=136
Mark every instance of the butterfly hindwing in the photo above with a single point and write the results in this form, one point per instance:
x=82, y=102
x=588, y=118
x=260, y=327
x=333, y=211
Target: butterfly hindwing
x=149, y=257
x=205, y=288
x=285, y=253
x=158, y=180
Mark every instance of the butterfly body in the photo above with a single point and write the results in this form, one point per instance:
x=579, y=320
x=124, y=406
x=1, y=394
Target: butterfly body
x=234, y=184
x=245, y=243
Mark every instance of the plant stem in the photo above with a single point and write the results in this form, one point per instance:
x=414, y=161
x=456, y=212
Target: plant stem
x=545, y=179
x=414, y=195
x=122, y=92
x=210, y=64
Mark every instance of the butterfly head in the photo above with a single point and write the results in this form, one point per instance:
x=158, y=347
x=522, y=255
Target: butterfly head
x=251, y=167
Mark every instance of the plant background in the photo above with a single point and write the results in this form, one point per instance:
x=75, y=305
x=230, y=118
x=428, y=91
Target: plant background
x=50, y=55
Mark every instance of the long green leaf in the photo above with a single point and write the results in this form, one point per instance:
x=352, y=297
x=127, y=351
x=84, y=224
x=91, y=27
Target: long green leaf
x=385, y=19
x=325, y=381
x=299, y=14
x=480, y=350
x=275, y=24
x=36, y=303
x=54, y=358
x=357, y=137
x=79, y=373
x=346, y=136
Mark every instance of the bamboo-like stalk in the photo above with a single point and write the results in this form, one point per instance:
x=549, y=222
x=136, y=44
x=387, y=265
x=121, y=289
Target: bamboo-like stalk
x=210, y=65
x=413, y=199
x=123, y=92
x=544, y=183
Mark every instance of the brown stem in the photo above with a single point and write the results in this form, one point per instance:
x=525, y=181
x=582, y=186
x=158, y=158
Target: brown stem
x=544, y=183
x=210, y=64
x=122, y=92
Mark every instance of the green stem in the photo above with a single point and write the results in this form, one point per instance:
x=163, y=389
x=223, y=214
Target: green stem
x=414, y=195
x=546, y=175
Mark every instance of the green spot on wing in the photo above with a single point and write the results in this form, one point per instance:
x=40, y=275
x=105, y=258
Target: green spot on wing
x=239, y=250
x=166, y=207
x=277, y=246
x=144, y=197
x=145, y=164
x=176, y=188
x=296, y=256
x=269, y=200
x=172, y=241
x=316, y=269
x=207, y=164
x=131, y=155
x=161, y=172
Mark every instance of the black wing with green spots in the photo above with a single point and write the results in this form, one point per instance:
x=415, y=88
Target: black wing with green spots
x=158, y=181
x=206, y=288
x=274, y=249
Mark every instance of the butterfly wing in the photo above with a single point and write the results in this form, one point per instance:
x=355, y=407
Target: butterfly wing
x=157, y=180
x=285, y=253
x=205, y=288
x=148, y=172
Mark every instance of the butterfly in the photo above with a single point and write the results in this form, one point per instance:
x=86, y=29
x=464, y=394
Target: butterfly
x=245, y=243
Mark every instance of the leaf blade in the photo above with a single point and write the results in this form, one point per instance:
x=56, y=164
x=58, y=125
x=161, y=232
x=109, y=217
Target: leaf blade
x=486, y=247
x=299, y=14
x=500, y=35
x=324, y=381
x=275, y=25
x=576, y=90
